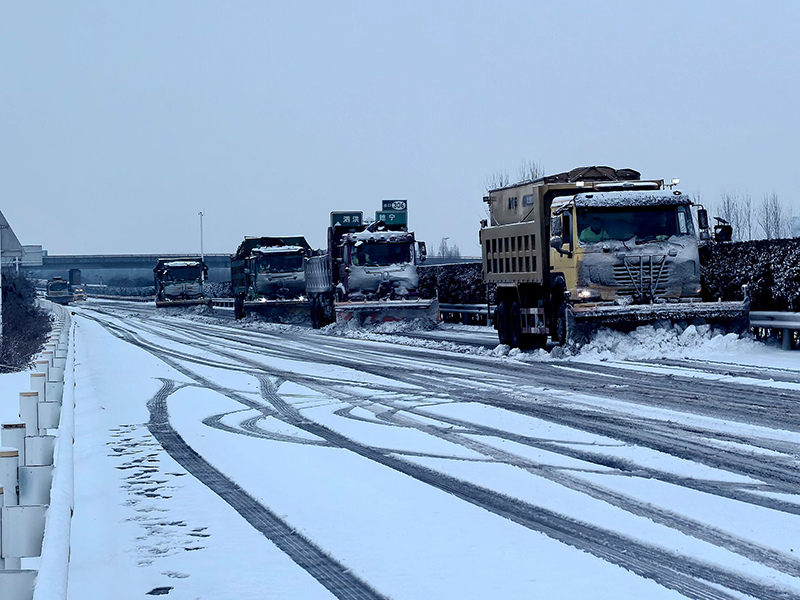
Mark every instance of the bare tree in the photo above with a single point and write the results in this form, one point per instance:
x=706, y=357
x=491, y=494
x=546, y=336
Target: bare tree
x=788, y=223
x=748, y=223
x=730, y=209
x=771, y=217
x=446, y=251
x=530, y=170
x=497, y=180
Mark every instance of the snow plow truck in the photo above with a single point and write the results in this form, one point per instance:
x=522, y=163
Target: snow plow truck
x=179, y=282
x=595, y=247
x=58, y=291
x=267, y=278
x=368, y=272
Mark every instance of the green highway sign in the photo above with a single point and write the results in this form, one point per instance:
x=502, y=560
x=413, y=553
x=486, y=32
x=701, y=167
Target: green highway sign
x=347, y=219
x=395, y=205
x=392, y=218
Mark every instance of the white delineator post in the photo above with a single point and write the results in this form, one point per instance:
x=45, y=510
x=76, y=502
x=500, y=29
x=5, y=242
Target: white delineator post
x=29, y=407
x=13, y=436
x=9, y=473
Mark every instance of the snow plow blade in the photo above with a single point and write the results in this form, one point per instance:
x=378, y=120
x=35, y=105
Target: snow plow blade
x=280, y=311
x=385, y=311
x=584, y=321
x=194, y=302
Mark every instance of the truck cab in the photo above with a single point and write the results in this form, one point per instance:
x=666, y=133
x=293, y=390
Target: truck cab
x=179, y=282
x=277, y=272
x=58, y=291
x=378, y=264
x=268, y=277
x=626, y=246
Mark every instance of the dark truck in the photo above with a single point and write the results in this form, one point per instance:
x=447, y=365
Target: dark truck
x=267, y=277
x=58, y=291
x=179, y=282
x=368, y=273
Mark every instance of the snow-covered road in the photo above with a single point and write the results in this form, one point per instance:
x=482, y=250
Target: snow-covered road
x=222, y=460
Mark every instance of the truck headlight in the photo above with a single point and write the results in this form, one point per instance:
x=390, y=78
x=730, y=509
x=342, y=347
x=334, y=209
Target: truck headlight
x=587, y=293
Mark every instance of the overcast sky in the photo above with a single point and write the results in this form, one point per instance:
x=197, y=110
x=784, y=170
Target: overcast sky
x=121, y=120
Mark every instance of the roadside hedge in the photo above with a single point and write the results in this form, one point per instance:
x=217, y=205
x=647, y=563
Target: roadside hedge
x=25, y=325
x=769, y=268
x=460, y=283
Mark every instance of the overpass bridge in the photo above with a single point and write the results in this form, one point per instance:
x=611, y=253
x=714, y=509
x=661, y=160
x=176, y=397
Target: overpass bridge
x=124, y=270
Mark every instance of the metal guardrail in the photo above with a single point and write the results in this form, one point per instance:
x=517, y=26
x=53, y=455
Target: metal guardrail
x=223, y=302
x=775, y=319
x=471, y=309
x=785, y=321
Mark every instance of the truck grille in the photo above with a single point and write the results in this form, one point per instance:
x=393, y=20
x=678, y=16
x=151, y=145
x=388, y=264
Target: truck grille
x=642, y=276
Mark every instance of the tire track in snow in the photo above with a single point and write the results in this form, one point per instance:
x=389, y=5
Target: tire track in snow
x=325, y=569
x=668, y=569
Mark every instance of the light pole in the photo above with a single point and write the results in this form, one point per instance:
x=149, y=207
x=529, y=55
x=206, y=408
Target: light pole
x=1, y=280
x=202, y=256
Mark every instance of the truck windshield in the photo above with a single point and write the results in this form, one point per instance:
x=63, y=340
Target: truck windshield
x=182, y=274
x=57, y=286
x=280, y=263
x=645, y=224
x=373, y=255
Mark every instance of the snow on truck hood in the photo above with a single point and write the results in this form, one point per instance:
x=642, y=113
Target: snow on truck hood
x=631, y=198
x=380, y=236
x=181, y=263
x=277, y=249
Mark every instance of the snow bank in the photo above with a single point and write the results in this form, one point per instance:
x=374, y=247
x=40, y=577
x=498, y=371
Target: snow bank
x=654, y=343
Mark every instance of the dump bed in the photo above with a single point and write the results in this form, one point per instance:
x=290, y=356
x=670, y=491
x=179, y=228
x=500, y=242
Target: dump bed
x=515, y=248
x=319, y=278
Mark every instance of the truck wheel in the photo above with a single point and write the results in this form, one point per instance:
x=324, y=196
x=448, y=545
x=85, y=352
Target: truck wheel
x=501, y=322
x=560, y=336
x=238, y=307
x=517, y=339
x=317, y=316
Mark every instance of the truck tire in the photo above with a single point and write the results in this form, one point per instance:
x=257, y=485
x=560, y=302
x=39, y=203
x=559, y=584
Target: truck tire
x=238, y=307
x=560, y=333
x=501, y=322
x=317, y=314
x=517, y=339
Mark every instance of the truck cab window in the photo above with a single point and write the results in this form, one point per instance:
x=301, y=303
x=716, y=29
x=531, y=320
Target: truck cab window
x=566, y=229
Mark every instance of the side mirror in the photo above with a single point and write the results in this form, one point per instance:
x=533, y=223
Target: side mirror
x=423, y=251
x=702, y=218
x=556, y=242
x=555, y=228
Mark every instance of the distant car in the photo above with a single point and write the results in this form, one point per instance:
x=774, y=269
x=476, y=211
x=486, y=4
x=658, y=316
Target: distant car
x=78, y=294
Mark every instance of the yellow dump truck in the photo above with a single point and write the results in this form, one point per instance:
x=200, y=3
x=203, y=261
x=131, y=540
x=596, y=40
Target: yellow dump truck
x=595, y=247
